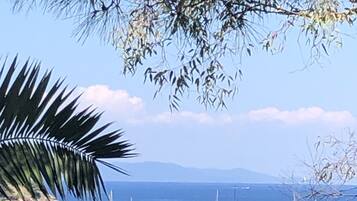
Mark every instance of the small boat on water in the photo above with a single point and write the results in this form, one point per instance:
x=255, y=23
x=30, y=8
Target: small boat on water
x=296, y=196
x=111, y=196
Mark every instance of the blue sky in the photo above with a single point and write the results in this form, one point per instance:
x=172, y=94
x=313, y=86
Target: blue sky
x=267, y=127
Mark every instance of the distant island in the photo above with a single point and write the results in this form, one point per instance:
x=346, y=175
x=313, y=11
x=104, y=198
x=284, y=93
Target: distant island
x=169, y=172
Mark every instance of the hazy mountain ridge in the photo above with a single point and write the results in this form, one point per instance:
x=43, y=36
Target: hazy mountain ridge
x=168, y=172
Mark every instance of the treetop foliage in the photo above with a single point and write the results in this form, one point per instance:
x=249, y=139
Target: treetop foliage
x=179, y=45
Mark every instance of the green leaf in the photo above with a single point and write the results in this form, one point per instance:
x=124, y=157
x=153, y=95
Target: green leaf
x=46, y=142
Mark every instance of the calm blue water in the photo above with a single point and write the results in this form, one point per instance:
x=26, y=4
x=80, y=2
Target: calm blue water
x=149, y=191
x=141, y=191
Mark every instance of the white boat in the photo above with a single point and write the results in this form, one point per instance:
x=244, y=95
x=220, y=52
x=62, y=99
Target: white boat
x=295, y=196
x=111, y=196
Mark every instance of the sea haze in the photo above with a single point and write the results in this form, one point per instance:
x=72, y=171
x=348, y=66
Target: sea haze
x=168, y=172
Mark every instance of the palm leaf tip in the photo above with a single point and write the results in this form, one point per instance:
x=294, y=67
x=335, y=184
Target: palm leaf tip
x=45, y=142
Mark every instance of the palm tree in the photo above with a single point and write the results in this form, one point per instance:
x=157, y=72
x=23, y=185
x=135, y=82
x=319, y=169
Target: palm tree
x=47, y=142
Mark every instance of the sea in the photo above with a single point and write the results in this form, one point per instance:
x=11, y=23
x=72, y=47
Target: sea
x=170, y=191
x=161, y=191
x=144, y=191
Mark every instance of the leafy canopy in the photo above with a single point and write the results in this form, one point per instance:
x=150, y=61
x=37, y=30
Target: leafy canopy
x=46, y=142
x=180, y=45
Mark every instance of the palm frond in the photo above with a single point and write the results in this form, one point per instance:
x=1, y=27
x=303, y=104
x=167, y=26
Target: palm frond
x=46, y=142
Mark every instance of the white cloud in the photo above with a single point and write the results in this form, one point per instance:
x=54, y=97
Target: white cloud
x=301, y=116
x=119, y=101
x=184, y=117
x=304, y=115
x=120, y=104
